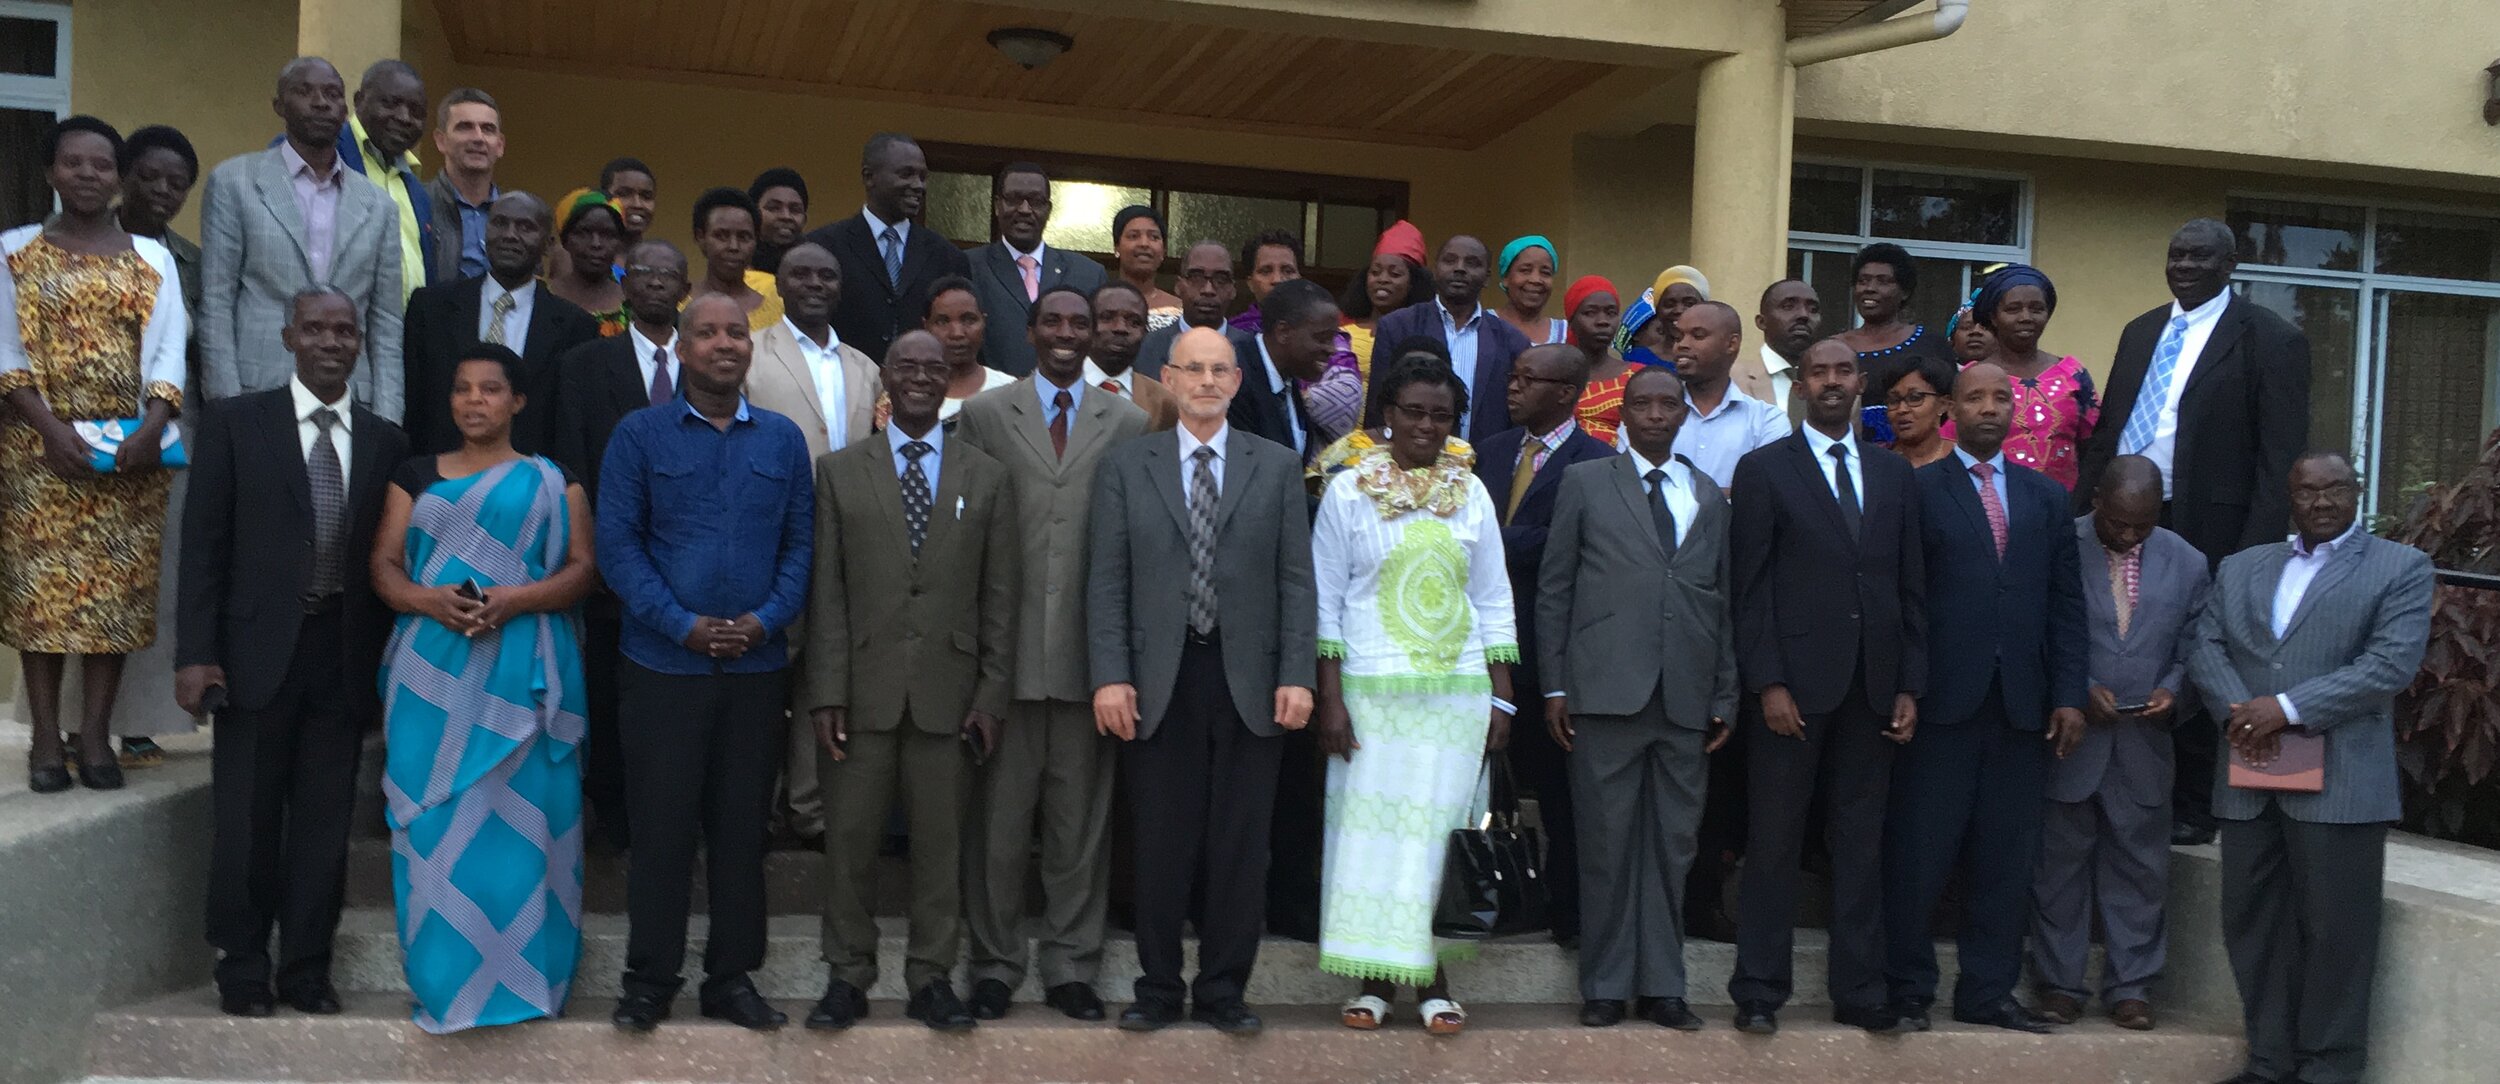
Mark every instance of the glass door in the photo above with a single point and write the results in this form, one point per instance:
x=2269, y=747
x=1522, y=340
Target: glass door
x=2436, y=356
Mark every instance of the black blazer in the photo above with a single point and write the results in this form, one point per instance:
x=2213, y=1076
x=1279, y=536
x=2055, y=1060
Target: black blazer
x=1497, y=345
x=873, y=311
x=2025, y=612
x=1523, y=537
x=999, y=284
x=1256, y=409
x=1812, y=606
x=247, y=546
x=442, y=322
x=2243, y=418
x=598, y=383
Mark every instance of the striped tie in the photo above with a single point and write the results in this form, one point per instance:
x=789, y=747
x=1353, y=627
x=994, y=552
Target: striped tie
x=2154, y=397
x=329, y=498
x=494, y=322
x=1202, y=498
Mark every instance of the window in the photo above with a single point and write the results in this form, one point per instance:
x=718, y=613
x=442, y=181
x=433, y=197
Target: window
x=1953, y=224
x=2402, y=310
x=34, y=92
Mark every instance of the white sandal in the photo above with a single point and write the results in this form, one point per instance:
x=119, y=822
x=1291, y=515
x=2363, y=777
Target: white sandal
x=1443, y=1016
x=1364, y=1012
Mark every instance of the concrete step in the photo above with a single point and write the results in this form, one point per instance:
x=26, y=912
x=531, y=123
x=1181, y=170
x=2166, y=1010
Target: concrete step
x=1521, y=970
x=184, y=1038
x=793, y=881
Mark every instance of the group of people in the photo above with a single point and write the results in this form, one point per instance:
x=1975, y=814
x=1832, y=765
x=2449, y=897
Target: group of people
x=856, y=521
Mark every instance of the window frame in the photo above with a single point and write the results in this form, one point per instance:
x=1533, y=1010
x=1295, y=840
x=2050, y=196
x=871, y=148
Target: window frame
x=40, y=93
x=1845, y=244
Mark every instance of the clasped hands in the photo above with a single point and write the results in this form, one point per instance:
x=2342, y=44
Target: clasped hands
x=725, y=637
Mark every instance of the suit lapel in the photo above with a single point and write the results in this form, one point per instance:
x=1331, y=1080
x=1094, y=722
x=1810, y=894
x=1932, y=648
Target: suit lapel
x=277, y=192
x=1965, y=493
x=2268, y=574
x=788, y=355
x=1636, y=502
x=874, y=473
x=2339, y=565
x=915, y=255
x=942, y=508
x=2100, y=604
x=1810, y=474
x=859, y=398
x=1242, y=462
x=1033, y=427
x=1168, y=482
x=291, y=451
x=1090, y=426
x=351, y=218
x=625, y=378
x=364, y=462
x=2225, y=338
x=467, y=307
x=1709, y=506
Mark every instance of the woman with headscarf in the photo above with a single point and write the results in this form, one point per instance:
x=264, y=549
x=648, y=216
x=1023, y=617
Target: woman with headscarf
x=1396, y=278
x=591, y=233
x=2054, y=404
x=1527, y=270
x=1648, y=327
x=1137, y=246
x=1593, y=308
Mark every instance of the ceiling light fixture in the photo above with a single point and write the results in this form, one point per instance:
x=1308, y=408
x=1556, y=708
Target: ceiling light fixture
x=1030, y=47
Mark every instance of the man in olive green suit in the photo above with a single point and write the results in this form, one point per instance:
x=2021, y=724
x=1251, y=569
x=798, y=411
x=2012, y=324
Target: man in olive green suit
x=910, y=623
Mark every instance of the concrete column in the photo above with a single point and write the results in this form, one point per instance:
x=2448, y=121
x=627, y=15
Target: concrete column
x=351, y=34
x=1742, y=123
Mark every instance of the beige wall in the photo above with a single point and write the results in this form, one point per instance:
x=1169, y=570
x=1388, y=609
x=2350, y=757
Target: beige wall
x=139, y=62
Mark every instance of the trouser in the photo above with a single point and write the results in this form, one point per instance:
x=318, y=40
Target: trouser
x=1844, y=759
x=700, y=750
x=1295, y=837
x=2194, y=740
x=1052, y=772
x=1637, y=780
x=603, y=758
x=1721, y=836
x=931, y=773
x=1967, y=795
x=799, y=791
x=283, y=777
x=1544, y=768
x=2106, y=857
x=2300, y=920
x=1203, y=788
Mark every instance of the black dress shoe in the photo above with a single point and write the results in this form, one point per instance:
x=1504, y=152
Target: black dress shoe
x=937, y=1006
x=738, y=1003
x=2009, y=1014
x=1879, y=1021
x=640, y=1013
x=47, y=778
x=1149, y=1016
x=1601, y=1012
x=841, y=1007
x=317, y=998
x=1230, y=1017
x=1757, y=1018
x=1075, y=1000
x=243, y=1000
x=1670, y=1012
x=1912, y=1012
x=990, y=998
x=105, y=774
x=2191, y=835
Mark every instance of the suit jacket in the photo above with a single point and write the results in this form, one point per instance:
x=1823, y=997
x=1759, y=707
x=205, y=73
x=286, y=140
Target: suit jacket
x=2243, y=418
x=446, y=232
x=1054, y=495
x=1497, y=345
x=1163, y=409
x=247, y=529
x=895, y=636
x=598, y=383
x=1157, y=347
x=2025, y=612
x=1810, y=601
x=1622, y=620
x=2354, y=642
x=781, y=381
x=2171, y=581
x=873, y=310
x=1137, y=618
x=442, y=323
x=999, y=284
x=252, y=242
x=1523, y=535
x=1258, y=409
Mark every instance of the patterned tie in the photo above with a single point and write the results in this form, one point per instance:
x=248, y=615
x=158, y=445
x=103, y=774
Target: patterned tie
x=1202, y=498
x=1060, y=404
x=2154, y=396
x=2125, y=570
x=1989, y=503
x=892, y=240
x=329, y=500
x=1845, y=487
x=1032, y=269
x=916, y=498
x=662, y=388
x=1659, y=513
x=494, y=322
x=1520, y=479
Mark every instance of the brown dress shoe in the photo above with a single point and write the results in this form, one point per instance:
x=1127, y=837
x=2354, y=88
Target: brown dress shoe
x=2132, y=1014
x=2061, y=1007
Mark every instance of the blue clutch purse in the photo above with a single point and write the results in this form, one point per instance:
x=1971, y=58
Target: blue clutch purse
x=104, y=442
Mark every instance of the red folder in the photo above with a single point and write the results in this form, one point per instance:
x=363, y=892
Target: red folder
x=2299, y=765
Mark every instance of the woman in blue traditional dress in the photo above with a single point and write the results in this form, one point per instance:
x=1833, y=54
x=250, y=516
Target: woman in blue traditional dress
x=486, y=553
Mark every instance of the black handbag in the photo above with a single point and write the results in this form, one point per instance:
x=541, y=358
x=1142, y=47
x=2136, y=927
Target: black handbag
x=1493, y=881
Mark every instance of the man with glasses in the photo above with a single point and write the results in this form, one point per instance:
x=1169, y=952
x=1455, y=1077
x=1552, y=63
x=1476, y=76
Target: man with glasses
x=1206, y=289
x=1010, y=275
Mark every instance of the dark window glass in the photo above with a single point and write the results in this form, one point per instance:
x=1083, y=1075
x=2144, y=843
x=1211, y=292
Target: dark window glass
x=2326, y=315
x=958, y=207
x=1230, y=220
x=25, y=196
x=2310, y=236
x=1823, y=199
x=1942, y=207
x=29, y=46
x=2438, y=246
x=1347, y=234
x=2440, y=351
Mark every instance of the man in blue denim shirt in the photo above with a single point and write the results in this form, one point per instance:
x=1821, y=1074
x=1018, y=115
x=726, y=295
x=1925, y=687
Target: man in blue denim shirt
x=706, y=529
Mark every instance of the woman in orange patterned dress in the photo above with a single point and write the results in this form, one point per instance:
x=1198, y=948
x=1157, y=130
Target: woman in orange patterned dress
x=91, y=330
x=1593, y=307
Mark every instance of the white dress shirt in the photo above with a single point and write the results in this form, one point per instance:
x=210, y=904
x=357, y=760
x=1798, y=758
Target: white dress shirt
x=1189, y=458
x=1782, y=374
x=648, y=355
x=1713, y=442
x=824, y=366
x=1278, y=386
x=306, y=432
x=2200, y=330
x=1821, y=446
x=516, y=324
x=895, y=438
x=1123, y=385
x=2299, y=570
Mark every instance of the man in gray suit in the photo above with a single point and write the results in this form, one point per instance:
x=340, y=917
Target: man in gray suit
x=1201, y=624
x=1640, y=657
x=2311, y=637
x=278, y=220
x=2105, y=845
x=1053, y=769
x=1008, y=276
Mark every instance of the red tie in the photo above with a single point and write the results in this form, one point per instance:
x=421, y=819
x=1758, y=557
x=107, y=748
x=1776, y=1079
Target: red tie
x=1989, y=503
x=1112, y=386
x=1059, y=407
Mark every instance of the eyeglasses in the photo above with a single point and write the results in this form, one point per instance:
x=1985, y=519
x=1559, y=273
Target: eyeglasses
x=1203, y=372
x=2329, y=491
x=662, y=272
x=1518, y=378
x=1436, y=417
x=1912, y=399
x=1217, y=279
x=907, y=367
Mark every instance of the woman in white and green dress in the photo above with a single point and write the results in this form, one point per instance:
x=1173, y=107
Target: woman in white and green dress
x=1416, y=642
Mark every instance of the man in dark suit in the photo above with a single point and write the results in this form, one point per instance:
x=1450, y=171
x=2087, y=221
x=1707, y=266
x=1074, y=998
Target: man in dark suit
x=1201, y=623
x=1831, y=631
x=911, y=626
x=505, y=305
x=597, y=384
x=1522, y=467
x=1205, y=287
x=1011, y=273
x=2006, y=680
x=278, y=631
x=1294, y=345
x=2214, y=389
x=1482, y=345
x=888, y=259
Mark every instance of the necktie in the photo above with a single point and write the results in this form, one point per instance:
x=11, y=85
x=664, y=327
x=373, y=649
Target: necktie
x=1659, y=512
x=1520, y=479
x=1202, y=498
x=892, y=241
x=1113, y=386
x=2123, y=571
x=916, y=498
x=1032, y=270
x=494, y=322
x=662, y=388
x=1845, y=488
x=2154, y=396
x=329, y=500
x=1989, y=503
x=1060, y=404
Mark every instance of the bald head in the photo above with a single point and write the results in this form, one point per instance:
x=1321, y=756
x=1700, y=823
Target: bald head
x=1707, y=338
x=2126, y=503
x=1202, y=373
x=2129, y=477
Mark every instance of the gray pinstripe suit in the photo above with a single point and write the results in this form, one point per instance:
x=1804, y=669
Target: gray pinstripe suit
x=2305, y=869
